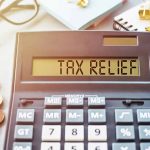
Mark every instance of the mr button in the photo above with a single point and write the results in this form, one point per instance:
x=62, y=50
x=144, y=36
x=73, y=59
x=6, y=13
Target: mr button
x=52, y=116
x=25, y=115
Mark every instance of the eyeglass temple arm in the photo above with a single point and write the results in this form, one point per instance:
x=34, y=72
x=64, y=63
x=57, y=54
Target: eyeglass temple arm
x=16, y=5
x=24, y=7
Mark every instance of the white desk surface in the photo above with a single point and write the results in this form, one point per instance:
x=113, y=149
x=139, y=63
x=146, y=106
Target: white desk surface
x=43, y=22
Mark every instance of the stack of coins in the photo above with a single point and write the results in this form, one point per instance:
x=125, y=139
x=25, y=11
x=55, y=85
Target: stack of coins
x=2, y=116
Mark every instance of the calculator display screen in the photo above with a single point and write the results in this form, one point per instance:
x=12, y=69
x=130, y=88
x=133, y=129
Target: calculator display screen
x=85, y=67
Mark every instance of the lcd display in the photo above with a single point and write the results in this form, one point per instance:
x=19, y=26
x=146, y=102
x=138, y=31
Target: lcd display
x=85, y=67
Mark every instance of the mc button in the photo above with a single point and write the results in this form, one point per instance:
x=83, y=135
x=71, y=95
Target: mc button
x=25, y=115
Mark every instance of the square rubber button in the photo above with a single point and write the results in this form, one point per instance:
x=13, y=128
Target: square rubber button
x=22, y=146
x=144, y=132
x=96, y=115
x=124, y=116
x=143, y=115
x=145, y=146
x=123, y=146
x=23, y=132
x=74, y=115
x=125, y=133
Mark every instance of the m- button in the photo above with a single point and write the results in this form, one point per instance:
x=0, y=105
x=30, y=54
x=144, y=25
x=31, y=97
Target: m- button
x=25, y=115
x=74, y=116
x=143, y=115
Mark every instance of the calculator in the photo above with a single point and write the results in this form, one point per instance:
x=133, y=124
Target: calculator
x=80, y=90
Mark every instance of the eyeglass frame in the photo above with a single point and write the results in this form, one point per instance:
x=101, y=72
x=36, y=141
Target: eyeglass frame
x=15, y=5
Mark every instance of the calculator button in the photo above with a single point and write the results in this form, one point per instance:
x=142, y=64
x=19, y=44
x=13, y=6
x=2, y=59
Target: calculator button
x=144, y=132
x=23, y=132
x=143, y=115
x=125, y=133
x=52, y=115
x=145, y=146
x=25, y=115
x=97, y=133
x=74, y=133
x=22, y=146
x=74, y=115
x=50, y=146
x=97, y=146
x=74, y=146
x=123, y=146
x=96, y=116
x=96, y=101
x=53, y=101
x=74, y=101
x=51, y=133
x=124, y=116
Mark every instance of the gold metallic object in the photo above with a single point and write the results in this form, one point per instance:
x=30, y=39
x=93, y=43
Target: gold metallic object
x=82, y=3
x=144, y=12
x=147, y=29
x=14, y=7
x=1, y=100
x=2, y=117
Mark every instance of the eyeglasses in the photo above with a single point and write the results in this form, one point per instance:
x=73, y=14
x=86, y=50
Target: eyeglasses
x=18, y=12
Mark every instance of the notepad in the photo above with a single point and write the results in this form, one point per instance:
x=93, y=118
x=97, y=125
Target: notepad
x=130, y=20
x=78, y=18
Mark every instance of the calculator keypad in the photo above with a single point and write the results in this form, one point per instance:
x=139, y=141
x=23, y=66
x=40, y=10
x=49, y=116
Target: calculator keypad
x=82, y=123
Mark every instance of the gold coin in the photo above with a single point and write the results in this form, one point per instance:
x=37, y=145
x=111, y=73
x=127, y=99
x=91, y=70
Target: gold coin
x=2, y=117
x=1, y=100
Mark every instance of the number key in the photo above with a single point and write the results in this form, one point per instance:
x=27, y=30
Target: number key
x=74, y=146
x=51, y=133
x=97, y=133
x=74, y=133
x=50, y=146
x=97, y=146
